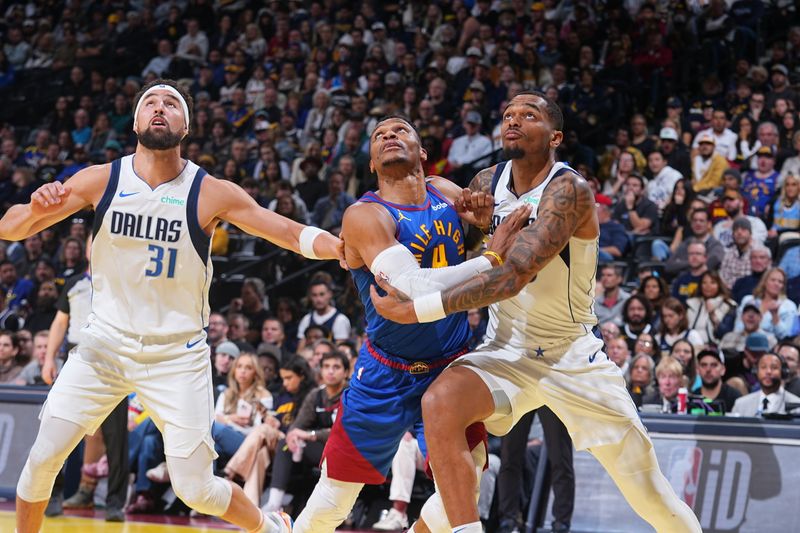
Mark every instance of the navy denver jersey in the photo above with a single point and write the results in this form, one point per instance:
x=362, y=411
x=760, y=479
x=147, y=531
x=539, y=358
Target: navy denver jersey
x=432, y=232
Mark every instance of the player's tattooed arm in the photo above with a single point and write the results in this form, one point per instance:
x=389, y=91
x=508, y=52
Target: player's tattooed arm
x=482, y=182
x=566, y=203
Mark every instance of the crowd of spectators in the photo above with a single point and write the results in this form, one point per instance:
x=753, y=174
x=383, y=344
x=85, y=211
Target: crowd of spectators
x=683, y=116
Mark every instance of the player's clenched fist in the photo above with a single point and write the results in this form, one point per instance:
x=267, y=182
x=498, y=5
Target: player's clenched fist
x=48, y=195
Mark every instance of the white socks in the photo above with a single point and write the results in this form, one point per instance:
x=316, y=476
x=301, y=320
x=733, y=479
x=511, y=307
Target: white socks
x=474, y=527
x=275, y=500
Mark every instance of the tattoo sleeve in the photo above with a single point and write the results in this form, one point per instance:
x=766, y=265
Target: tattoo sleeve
x=482, y=182
x=566, y=202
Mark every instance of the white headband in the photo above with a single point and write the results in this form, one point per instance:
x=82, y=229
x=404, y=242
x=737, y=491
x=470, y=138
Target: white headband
x=174, y=92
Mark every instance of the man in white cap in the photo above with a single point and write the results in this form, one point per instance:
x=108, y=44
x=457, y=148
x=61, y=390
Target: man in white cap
x=675, y=151
x=708, y=165
x=724, y=139
x=151, y=270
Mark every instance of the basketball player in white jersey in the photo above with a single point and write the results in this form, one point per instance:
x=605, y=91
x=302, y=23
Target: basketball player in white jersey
x=151, y=270
x=542, y=346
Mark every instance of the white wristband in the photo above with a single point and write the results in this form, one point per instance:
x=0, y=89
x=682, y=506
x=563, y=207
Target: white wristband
x=429, y=308
x=306, y=241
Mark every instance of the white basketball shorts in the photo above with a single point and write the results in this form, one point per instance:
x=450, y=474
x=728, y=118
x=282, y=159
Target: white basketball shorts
x=581, y=385
x=170, y=375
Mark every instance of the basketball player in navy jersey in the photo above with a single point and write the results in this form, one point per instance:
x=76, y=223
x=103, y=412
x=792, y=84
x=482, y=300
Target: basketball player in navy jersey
x=154, y=216
x=409, y=230
x=543, y=346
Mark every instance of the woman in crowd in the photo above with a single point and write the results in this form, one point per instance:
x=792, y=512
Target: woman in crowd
x=640, y=378
x=625, y=166
x=251, y=460
x=71, y=260
x=9, y=350
x=655, y=289
x=786, y=211
x=777, y=311
x=746, y=145
x=669, y=375
x=238, y=406
x=676, y=213
x=792, y=164
x=709, y=307
x=683, y=352
x=675, y=326
x=646, y=345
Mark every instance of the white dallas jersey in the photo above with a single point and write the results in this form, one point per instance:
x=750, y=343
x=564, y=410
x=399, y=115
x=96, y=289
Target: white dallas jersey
x=151, y=266
x=558, y=304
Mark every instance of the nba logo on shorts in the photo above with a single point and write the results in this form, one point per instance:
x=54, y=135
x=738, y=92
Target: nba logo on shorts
x=684, y=472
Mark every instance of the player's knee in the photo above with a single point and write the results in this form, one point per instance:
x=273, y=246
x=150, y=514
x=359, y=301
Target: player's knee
x=210, y=495
x=36, y=481
x=436, y=409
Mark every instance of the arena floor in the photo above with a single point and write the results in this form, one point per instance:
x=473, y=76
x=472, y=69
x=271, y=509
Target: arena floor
x=92, y=522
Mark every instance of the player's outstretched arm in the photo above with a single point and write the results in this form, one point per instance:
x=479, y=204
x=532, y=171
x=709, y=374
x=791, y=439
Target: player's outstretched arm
x=228, y=201
x=566, y=204
x=53, y=202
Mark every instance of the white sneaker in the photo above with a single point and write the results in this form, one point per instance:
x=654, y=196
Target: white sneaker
x=159, y=474
x=394, y=520
x=277, y=522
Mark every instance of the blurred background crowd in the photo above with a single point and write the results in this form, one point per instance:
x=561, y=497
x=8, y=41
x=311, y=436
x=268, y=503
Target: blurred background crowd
x=682, y=114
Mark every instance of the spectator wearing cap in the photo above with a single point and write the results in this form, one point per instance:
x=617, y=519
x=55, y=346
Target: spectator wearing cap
x=224, y=354
x=466, y=73
x=660, y=187
x=732, y=202
x=724, y=139
x=675, y=151
x=759, y=185
x=731, y=181
x=635, y=211
x=711, y=369
x=380, y=38
x=778, y=312
x=707, y=165
x=772, y=397
x=613, y=239
x=779, y=76
x=472, y=148
x=736, y=263
x=742, y=349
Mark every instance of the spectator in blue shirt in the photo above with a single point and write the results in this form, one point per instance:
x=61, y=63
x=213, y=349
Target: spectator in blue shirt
x=759, y=185
x=328, y=210
x=686, y=284
x=613, y=238
x=16, y=289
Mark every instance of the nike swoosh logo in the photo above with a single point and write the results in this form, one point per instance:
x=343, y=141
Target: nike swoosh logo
x=123, y=194
x=459, y=529
x=191, y=345
x=592, y=357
